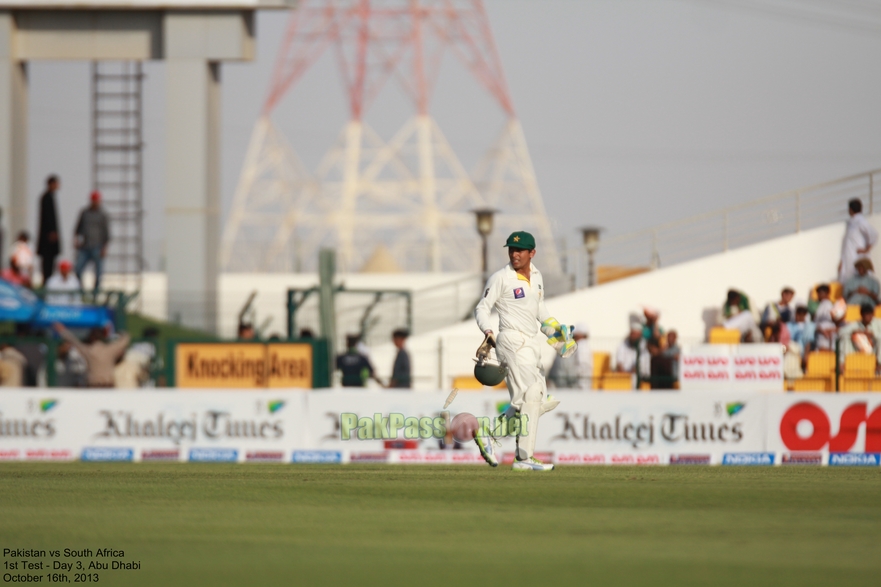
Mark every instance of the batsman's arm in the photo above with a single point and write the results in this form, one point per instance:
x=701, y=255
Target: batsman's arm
x=491, y=294
x=543, y=313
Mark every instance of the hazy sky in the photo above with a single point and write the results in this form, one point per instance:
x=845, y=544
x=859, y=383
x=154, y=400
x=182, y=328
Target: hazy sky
x=636, y=111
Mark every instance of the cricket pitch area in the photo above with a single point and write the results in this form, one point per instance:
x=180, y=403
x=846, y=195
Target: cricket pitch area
x=213, y=524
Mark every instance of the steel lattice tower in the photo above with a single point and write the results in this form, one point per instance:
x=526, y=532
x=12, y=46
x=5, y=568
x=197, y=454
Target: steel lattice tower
x=410, y=193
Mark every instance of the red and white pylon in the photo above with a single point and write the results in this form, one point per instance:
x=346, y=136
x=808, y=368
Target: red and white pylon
x=410, y=193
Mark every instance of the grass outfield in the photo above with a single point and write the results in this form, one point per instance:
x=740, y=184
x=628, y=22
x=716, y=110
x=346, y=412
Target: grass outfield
x=195, y=524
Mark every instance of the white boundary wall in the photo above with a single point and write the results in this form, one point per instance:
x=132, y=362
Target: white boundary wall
x=301, y=426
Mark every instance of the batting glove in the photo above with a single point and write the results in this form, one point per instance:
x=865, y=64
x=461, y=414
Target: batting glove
x=488, y=342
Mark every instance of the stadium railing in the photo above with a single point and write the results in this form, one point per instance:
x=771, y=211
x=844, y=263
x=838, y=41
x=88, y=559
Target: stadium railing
x=737, y=226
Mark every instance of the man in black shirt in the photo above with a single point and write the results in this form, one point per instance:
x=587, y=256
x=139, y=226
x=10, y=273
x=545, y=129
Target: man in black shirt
x=355, y=367
x=401, y=378
x=48, y=243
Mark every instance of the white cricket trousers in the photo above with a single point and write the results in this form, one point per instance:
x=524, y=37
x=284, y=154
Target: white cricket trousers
x=526, y=384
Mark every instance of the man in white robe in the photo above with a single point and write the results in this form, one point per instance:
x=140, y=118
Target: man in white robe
x=859, y=238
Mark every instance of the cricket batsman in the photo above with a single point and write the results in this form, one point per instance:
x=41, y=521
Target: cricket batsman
x=517, y=293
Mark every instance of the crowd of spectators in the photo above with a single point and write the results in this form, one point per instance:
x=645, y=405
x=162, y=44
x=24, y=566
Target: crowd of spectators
x=90, y=239
x=93, y=358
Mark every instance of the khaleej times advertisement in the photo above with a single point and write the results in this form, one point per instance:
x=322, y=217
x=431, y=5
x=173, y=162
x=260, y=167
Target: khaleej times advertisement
x=338, y=426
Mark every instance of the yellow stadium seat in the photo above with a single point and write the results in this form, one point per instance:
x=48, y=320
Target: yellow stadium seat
x=617, y=382
x=601, y=366
x=855, y=384
x=852, y=314
x=877, y=311
x=859, y=365
x=719, y=335
x=812, y=384
x=836, y=291
x=820, y=364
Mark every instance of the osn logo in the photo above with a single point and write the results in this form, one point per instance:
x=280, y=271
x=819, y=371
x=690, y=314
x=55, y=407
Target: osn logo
x=821, y=434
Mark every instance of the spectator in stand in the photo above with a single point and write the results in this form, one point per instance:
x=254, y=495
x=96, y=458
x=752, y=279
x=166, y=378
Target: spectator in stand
x=776, y=332
x=576, y=372
x=13, y=275
x=70, y=367
x=802, y=330
x=63, y=288
x=862, y=287
x=779, y=311
x=672, y=352
x=100, y=355
x=355, y=367
x=863, y=336
x=738, y=316
x=651, y=330
x=401, y=376
x=48, y=243
x=827, y=318
x=630, y=347
x=24, y=256
x=134, y=369
x=92, y=236
x=859, y=238
x=246, y=331
x=12, y=366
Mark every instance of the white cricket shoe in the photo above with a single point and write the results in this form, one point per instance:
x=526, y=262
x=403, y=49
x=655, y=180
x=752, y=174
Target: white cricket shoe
x=549, y=403
x=531, y=464
x=485, y=444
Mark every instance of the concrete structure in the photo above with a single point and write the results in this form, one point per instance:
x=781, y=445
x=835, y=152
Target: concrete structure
x=193, y=37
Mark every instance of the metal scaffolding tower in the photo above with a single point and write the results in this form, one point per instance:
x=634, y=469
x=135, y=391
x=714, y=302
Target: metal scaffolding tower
x=117, y=163
x=410, y=194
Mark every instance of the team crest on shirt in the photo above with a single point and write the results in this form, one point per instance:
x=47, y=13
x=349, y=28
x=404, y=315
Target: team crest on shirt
x=519, y=293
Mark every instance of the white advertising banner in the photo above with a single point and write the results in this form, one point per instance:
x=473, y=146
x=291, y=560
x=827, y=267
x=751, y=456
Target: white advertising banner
x=151, y=425
x=823, y=426
x=658, y=427
x=336, y=426
x=743, y=367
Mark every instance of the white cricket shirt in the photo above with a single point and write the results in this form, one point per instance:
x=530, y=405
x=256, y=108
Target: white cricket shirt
x=520, y=302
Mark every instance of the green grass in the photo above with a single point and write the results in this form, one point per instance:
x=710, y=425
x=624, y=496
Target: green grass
x=375, y=525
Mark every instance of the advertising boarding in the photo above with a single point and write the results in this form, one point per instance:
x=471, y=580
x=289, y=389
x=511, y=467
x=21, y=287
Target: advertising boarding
x=335, y=426
x=745, y=367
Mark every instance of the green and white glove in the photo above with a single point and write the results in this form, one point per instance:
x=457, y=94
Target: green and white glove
x=559, y=337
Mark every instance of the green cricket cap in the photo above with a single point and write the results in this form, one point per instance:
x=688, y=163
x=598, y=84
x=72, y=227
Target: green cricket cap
x=521, y=240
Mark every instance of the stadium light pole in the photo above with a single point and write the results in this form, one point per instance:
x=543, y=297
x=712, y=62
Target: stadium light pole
x=484, y=218
x=591, y=237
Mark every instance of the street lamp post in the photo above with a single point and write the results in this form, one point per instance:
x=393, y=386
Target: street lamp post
x=591, y=236
x=484, y=218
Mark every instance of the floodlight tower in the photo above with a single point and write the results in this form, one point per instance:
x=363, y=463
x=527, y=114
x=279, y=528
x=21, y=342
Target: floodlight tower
x=411, y=193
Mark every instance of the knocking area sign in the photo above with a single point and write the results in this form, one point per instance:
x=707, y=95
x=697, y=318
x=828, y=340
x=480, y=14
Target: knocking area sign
x=243, y=365
x=743, y=367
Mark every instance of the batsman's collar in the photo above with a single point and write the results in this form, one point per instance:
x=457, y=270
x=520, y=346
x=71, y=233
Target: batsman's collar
x=521, y=240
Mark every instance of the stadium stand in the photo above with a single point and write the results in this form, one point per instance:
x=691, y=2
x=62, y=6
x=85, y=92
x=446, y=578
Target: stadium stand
x=721, y=335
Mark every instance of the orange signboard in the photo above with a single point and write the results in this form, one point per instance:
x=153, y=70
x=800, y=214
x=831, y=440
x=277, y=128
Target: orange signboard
x=289, y=365
x=243, y=365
